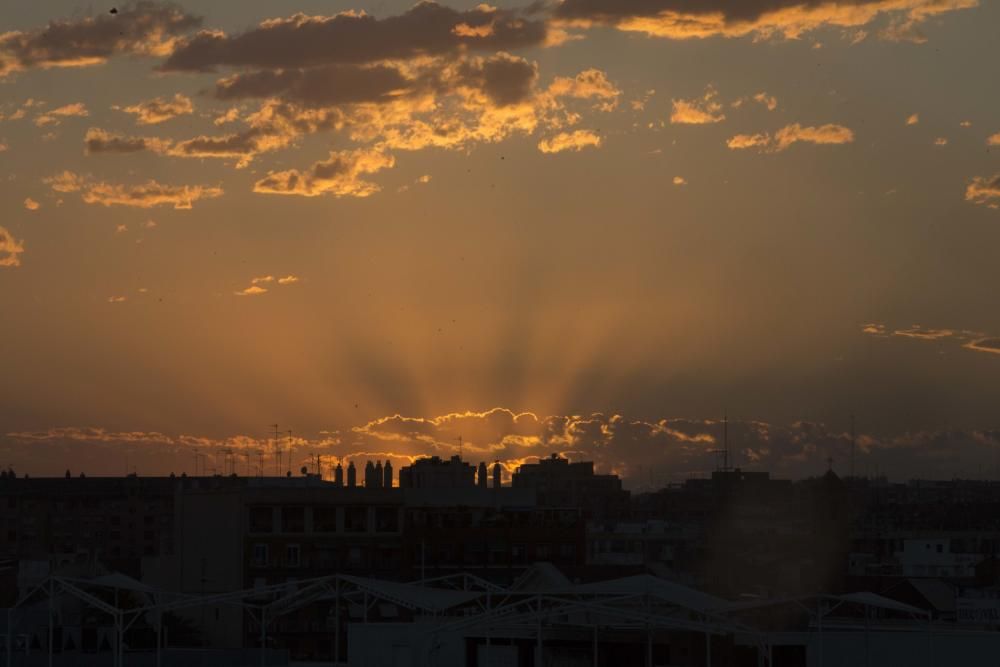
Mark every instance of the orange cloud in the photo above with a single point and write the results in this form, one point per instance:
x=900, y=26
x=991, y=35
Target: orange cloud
x=874, y=329
x=100, y=141
x=769, y=101
x=253, y=290
x=10, y=248
x=340, y=176
x=570, y=141
x=988, y=345
x=350, y=37
x=741, y=141
x=924, y=334
x=159, y=109
x=788, y=19
x=993, y=140
x=700, y=111
x=913, y=119
x=984, y=190
x=147, y=195
x=31, y=204
x=824, y=134
x=791, y=134
x=141, y=28
x=55, y=116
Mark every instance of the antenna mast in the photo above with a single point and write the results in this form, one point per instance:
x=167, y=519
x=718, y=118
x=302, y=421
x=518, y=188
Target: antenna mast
x=725, y=444
x=852, y=446
x=277, y=452
x=725, y=441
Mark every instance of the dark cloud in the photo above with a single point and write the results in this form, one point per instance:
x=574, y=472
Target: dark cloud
x=322, y=86
x=302, y=41
x=99, y=141
x=341, y=176
x=505, y=79
x=147, y=28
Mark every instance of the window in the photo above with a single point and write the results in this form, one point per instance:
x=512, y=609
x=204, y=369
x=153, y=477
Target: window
x=324, y=519
x=293, y=519
x=356, y=519
x=293, y=555
x=354, y=556
x=386, y=519
x=261, y=520
x=260, y=555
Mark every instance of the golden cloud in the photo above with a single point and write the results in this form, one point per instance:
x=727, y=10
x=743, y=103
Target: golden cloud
x=984, y=190
x=791, y=134
x=159, y=110
x=700, y=111
x=769, y=101
x=140, y=28
x=570, y=141
x=55, y=116
x=350, y=37
x=924, y=334
x=788, y=19
x=340, y=175
x=10, y=248
x=988, y=345
x=148, y=195
x=741, y=141
x=100, y=141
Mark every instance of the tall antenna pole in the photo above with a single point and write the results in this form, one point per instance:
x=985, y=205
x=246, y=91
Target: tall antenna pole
x=277, y=451
x=289, y=449
x=852, y=446
x=725, y=441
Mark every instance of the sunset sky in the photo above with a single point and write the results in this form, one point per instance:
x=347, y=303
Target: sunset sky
x=589, y=226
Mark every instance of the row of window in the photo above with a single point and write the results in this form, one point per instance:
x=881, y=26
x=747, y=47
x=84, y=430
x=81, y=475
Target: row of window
x=324, y=519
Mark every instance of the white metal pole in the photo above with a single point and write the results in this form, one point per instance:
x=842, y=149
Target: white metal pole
x=538, y=648
x=819, y=622
x=52, y=617
x=121, y=639
x=10, y=632
x=263, y=634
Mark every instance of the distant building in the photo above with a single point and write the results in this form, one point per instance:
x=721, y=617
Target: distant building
x=560, y=483
x=64, y=521
x=436, y=473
